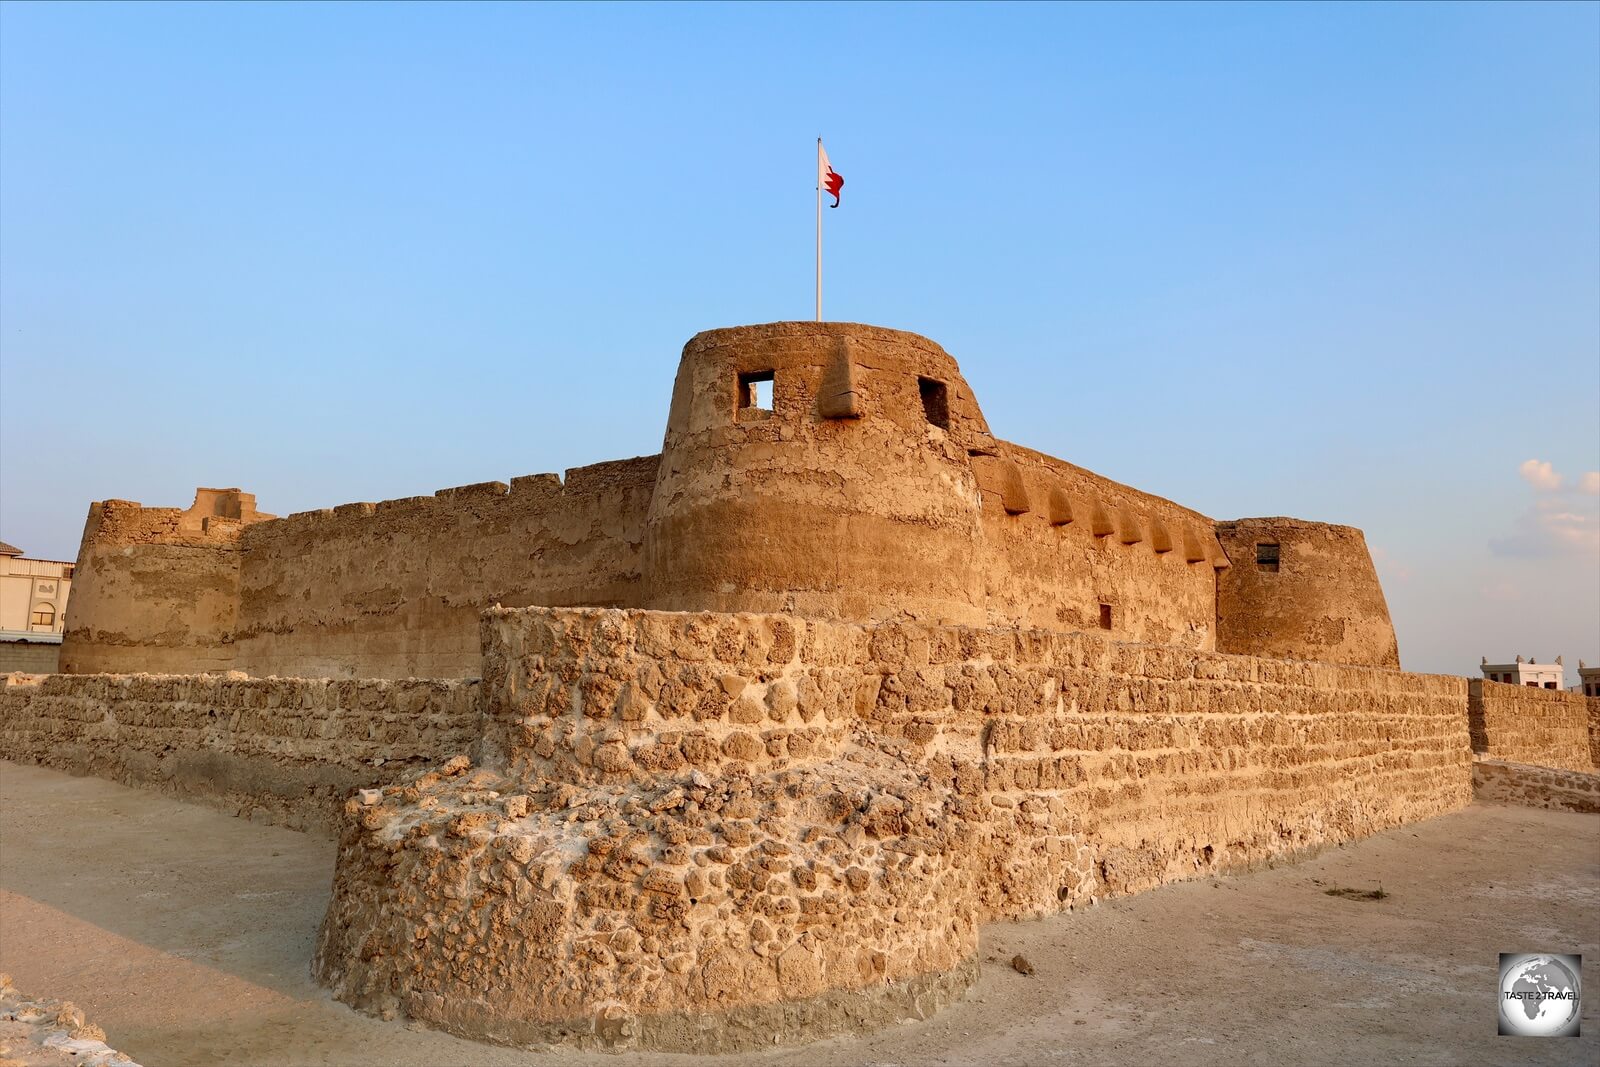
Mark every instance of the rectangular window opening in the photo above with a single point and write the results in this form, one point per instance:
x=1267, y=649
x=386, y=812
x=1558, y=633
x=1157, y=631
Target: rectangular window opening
x=755, y=390
x=935, y=402
x=1105, y=616
x=1267, y=557
x=1549, y=685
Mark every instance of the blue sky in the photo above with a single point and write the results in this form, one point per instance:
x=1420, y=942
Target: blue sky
x=1337, y=262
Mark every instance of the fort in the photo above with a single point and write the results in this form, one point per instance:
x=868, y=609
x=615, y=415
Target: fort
x=744, y=741
x=870, y=490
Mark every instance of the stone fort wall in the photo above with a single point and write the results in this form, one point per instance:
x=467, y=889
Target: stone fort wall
x=159, y=586
x=395, y=589
x=284, y=750
x=1541, y=727
x=676, y=830
x=870, y=489
x=747, y=816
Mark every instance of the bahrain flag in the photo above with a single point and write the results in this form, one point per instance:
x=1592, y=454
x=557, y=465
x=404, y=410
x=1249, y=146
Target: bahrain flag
x=828, y=179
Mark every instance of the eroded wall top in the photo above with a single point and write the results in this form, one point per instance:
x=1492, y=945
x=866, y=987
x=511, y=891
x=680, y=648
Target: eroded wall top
x=157, y=589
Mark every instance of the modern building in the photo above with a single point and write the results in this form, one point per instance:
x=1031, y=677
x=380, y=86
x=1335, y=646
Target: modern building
x=33, y=607
x=1526, y=672
x=1588, y=679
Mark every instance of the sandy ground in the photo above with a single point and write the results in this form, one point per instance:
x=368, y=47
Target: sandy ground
x=186, y=934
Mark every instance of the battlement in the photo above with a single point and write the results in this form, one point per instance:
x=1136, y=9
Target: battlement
x=544, y=489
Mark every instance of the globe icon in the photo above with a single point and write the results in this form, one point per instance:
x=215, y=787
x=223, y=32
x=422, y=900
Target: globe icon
x=1539, y=996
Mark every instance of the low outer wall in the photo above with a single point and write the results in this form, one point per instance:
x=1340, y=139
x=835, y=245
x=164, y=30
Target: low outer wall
x=285, y=749
x=1535, y=787
x=29, y=657
x=1542, y=727
x=705, y=830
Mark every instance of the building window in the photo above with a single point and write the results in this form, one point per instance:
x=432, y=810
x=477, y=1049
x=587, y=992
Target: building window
x=1531, y=685
x=755, y=390
x=935, y=402
x=1549, y=685
x=1267, y=557
x=44, y=615
x=1105, y=616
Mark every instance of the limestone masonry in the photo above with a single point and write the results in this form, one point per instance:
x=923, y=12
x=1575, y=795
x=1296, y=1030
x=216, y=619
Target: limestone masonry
x=743, y=742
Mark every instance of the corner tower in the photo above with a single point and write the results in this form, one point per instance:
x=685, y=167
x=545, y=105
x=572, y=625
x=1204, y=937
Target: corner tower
x=1302, y=590
x=820, y=468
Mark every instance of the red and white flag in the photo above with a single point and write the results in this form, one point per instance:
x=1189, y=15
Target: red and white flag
x=828, y=179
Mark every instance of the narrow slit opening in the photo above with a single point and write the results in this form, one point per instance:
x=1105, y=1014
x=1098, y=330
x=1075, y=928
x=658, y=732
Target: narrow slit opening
x=935, y=402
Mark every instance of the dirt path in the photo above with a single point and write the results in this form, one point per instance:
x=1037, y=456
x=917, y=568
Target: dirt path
x=186, y=934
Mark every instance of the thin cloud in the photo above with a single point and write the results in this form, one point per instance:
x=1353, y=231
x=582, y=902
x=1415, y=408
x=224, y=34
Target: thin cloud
x=1540, y=474
x=1550, y=528
x=1559, y=523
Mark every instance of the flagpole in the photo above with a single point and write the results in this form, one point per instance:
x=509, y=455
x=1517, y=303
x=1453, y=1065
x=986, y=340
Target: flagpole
x=819, y=229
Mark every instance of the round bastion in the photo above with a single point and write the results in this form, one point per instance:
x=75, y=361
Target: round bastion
x=849, y=495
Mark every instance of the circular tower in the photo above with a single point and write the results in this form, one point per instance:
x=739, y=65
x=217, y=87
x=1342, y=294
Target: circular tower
x=1302, y=590
x=820, y=468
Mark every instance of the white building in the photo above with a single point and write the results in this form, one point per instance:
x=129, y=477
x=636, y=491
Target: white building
x=1588, y=680
x=33, y=607
x=1526, y=672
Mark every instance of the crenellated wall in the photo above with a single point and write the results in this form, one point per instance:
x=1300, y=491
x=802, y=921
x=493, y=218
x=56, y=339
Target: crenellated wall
x=394, y=589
